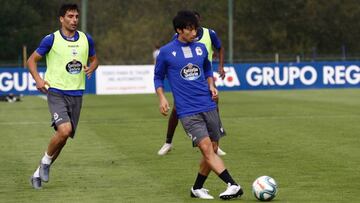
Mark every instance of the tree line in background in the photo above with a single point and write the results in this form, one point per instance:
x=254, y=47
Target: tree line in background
x=126, y=31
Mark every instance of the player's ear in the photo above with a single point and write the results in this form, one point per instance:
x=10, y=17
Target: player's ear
x=179, y=31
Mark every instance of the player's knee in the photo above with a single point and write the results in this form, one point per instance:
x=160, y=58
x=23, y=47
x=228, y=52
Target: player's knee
x=206, y=148
x=64, y=131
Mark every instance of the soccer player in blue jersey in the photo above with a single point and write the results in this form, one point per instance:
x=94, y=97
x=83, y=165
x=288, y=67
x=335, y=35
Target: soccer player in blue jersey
x=67, y=52
x=210, y=39
x=186, y=65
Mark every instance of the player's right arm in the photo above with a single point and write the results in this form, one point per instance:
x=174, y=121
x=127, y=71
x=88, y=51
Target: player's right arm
x=41, y=84
x=44, y=47
x=163, y=102
x=159, y=76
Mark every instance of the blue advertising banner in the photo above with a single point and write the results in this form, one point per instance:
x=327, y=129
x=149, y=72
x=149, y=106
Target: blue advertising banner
x=19, y=81
x=340, y=74
x=256, y=76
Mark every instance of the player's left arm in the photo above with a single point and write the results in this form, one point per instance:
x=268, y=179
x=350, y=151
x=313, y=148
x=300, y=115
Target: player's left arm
x=94, y=63
x=212, y=88
x=210, y=77
x=93, y=60
x=160, y=72
x=215, y=41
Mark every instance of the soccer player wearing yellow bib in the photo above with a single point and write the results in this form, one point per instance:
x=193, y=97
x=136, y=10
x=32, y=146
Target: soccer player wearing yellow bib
x=67, y=52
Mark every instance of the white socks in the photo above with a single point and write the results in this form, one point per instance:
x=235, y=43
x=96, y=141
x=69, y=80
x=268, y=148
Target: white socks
x=36, y=173
x=46, y=159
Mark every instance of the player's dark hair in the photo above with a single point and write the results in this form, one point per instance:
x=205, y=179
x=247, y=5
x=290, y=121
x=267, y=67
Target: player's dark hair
x=67, y=7
x=184, y=19
x=197, y=14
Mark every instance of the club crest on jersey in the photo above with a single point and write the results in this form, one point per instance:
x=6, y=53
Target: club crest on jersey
x=198, y=51
x=74, y=52
x=190, y=72
x=73, y=67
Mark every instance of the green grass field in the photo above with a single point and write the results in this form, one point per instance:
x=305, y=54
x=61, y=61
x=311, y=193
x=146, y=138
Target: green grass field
x=307, y=140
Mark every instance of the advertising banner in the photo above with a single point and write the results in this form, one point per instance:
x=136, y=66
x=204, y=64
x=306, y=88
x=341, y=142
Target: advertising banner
x=138, y=79
x=135, y=79
x=19, y=81
x=289, y=76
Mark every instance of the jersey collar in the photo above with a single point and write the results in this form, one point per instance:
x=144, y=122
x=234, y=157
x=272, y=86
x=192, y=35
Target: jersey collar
x=70, y=39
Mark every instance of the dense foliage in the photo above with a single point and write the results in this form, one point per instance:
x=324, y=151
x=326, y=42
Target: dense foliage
x=126, y=31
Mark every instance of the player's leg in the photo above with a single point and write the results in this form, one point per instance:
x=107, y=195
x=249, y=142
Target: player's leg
x=214, y=129
x=219, y=151
x=172, y=124
x=198, y=189
x=204, y=171
x=65, y=113
x=217, y=165
x=210, y=160
x=57, y=142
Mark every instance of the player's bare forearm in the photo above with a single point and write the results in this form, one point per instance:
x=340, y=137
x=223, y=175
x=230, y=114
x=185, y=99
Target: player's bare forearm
x=221, y=57
x=210, y=81
x=212, y=88
x=32, y=66
x=94, y=63
x=41, y=84
x=221, y=63
x=163, y=103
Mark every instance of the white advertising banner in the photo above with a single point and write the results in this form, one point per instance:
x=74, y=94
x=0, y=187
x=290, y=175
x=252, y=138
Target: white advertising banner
x=125, y=79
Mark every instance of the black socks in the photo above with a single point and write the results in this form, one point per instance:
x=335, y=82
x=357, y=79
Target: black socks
x=199, y=182
x=226, y=177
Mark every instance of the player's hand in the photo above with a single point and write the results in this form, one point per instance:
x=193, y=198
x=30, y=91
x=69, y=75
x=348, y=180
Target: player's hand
x=221, y=72
x=214, y=93
x=88, y=71
x=164, y=107
x=42, y=86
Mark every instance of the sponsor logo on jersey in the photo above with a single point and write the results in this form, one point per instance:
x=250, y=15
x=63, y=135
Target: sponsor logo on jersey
x=187, y=52
x=74, y=67
x=190, y=72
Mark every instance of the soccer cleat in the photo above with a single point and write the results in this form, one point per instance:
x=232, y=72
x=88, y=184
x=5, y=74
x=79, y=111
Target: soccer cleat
x=220, y=152
x=200, y=193
x=232, y=191
x=165, y=149
x=44, y=172
x=35, y=182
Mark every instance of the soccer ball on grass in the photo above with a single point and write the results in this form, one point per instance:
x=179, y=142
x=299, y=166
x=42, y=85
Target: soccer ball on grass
x=264, y=188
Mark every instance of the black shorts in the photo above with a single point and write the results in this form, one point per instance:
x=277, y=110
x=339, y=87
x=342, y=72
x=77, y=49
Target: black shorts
x=64, y=109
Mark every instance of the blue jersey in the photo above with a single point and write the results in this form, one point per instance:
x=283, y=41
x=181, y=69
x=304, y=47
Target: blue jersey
x=45, y=46
x=187, y=68
x=215, y=41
